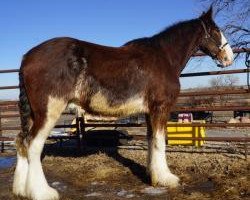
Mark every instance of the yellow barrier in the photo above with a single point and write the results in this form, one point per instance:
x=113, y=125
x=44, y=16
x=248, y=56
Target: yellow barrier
x=184, y=132
x=73, y=130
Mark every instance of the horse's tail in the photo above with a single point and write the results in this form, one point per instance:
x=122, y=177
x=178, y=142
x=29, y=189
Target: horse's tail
x=25, y=116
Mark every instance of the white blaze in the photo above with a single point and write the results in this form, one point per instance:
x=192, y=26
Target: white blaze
x=228, y=50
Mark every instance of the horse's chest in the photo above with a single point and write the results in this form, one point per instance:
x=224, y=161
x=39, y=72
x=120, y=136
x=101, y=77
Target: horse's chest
x=99, y=103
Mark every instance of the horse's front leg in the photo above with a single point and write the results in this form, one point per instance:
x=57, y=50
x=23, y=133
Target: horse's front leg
x=157, y=163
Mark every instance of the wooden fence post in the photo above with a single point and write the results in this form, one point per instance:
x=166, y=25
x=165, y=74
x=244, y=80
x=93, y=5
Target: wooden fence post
x=1, y=134
x=78, y=132
x=82, y=128
x=246, y=147
x=2, y=146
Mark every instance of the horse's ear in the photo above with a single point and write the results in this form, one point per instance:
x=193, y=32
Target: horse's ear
x=207, y=15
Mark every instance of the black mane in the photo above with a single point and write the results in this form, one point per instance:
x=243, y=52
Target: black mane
x=168, y=34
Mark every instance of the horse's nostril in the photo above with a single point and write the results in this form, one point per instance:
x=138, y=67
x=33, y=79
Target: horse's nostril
x=225, y=59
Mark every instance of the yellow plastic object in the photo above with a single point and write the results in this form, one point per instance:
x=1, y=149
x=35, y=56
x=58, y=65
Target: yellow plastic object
x=186, y=132
x=73, y=130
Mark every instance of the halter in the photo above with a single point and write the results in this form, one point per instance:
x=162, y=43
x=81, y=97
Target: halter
x=205, y=29
x=221, y=47
x=209, y=36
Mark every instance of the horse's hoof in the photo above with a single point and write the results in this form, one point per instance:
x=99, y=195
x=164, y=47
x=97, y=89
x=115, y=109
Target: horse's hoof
x=19, y=190
x=47, y=193
x=167, y=180
x=20, y=194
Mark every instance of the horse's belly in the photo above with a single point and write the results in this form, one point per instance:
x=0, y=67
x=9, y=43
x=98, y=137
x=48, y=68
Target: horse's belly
x=99, y=103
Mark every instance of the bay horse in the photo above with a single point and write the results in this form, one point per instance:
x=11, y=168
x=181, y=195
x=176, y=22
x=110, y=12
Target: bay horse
x=141, y=76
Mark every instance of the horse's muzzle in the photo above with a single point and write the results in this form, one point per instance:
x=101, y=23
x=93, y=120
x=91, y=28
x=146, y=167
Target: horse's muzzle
x=225, y=58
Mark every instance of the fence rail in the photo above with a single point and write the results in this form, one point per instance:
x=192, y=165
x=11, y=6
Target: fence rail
x=215, y=92
x=9, y=87
x=235, y=50
x=215, y=108
x=116, y=125
x=213, y=73
x=177, y=109
x=209, y=73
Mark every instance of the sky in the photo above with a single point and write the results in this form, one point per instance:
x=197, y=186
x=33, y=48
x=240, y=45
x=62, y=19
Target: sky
x=25, y=24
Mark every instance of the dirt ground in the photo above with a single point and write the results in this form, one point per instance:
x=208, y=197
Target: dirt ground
x=113, y=174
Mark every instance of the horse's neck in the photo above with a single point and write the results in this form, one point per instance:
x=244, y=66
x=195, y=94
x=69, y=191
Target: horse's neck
x=186, y=43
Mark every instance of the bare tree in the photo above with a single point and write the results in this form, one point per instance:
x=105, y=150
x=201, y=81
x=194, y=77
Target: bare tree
x=216, y=82
x=231, y=80
x=234, y=16
x=223, y=81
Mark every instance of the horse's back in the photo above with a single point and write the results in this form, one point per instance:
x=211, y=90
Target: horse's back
x=51, y=68
x=61, y=50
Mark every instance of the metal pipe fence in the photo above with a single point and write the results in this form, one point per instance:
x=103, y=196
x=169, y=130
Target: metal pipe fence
x=81, y=125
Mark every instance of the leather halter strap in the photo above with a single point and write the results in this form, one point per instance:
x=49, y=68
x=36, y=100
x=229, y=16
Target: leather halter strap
x=222, y=46
x=209, y=36
x=205, y=29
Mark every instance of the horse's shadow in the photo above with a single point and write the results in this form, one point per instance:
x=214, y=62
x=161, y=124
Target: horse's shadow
x=62, y=150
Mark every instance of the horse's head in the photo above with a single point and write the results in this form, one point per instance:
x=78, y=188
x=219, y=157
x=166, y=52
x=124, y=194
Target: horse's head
x=214, y=42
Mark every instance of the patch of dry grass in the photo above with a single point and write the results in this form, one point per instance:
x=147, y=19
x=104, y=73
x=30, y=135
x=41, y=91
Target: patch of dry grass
x=203, y=176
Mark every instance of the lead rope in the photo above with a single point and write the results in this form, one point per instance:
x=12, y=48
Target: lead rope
x=247, y=63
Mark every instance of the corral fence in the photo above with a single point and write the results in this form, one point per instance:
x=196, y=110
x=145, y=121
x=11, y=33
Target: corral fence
x=80, y=126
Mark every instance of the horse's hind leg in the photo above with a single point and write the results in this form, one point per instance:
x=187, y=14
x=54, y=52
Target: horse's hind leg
x=22, y=165
x=37, y=187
